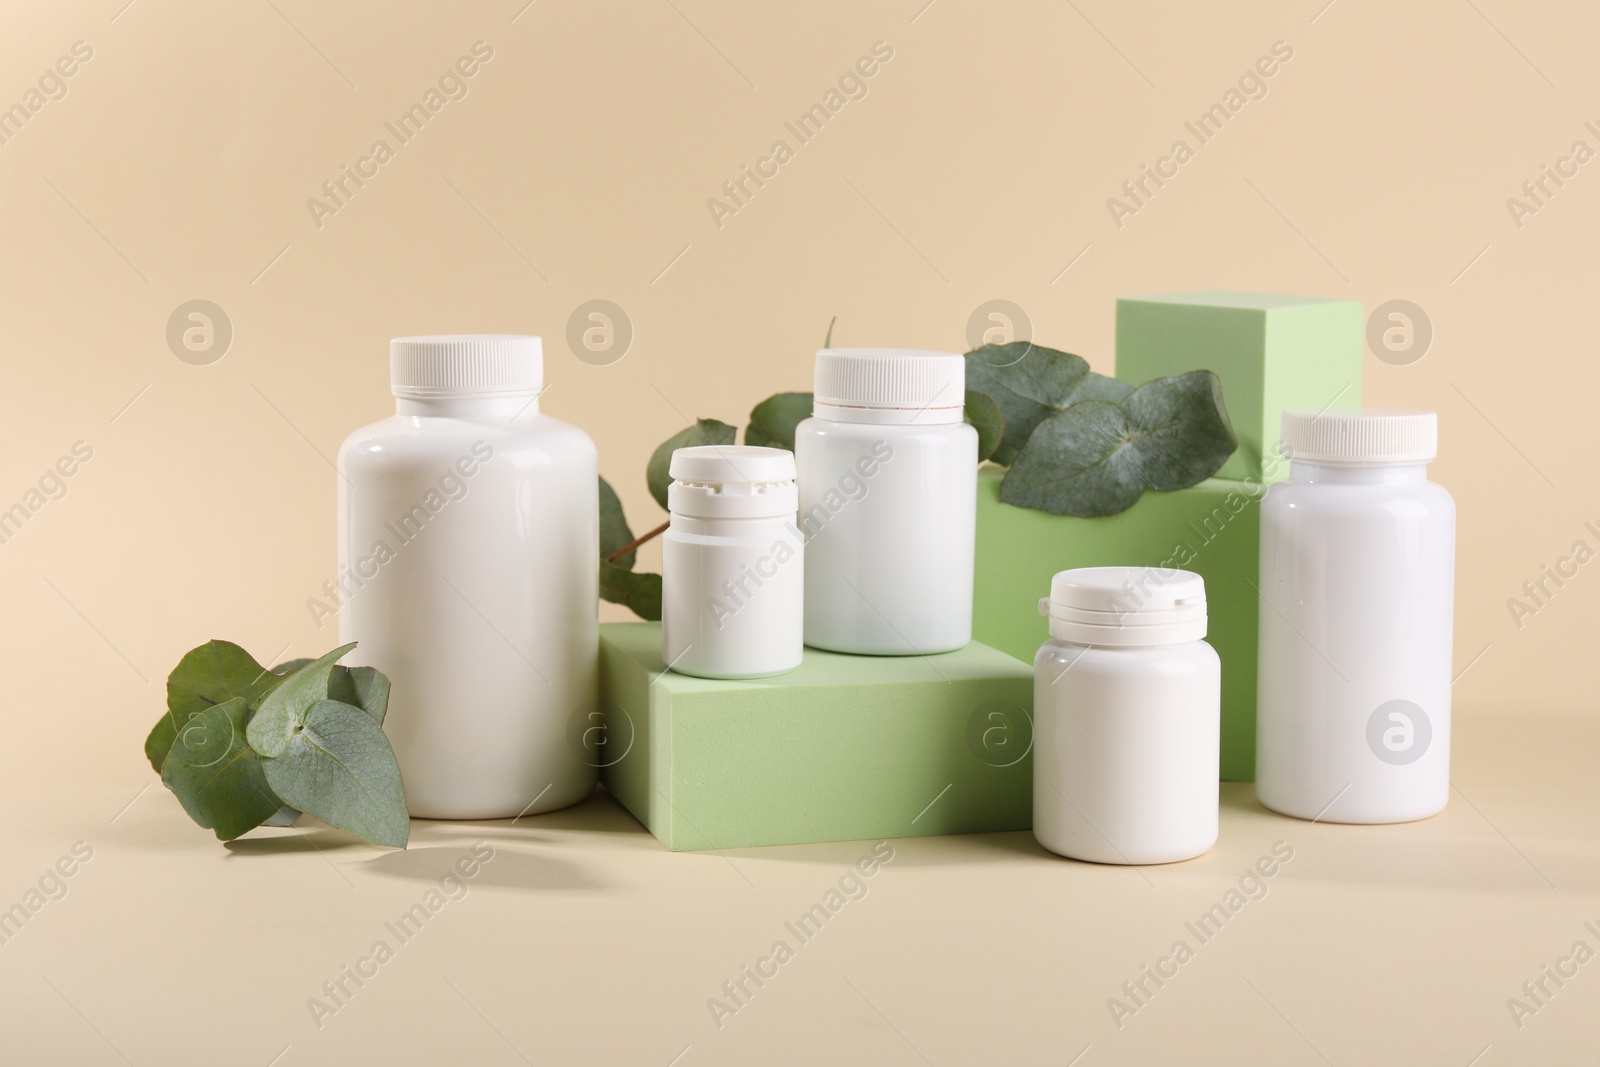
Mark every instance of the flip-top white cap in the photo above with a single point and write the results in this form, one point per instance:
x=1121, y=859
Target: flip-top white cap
x=1361, y=435
x=732, y=482
x=1121, y=606
x=905, y=385
x=463, y=365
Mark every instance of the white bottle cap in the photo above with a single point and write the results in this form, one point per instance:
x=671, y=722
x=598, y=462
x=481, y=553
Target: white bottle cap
x=1361, y=435
x=463, y=365
x=732, y=482
x=1122, y=606
x=889, y=385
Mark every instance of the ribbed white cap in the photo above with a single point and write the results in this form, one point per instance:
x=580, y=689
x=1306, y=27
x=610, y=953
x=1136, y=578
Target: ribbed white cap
x=1122, y=606
x=453, y=365
x=732, y=482
x=901, y=384
x=1361, y=435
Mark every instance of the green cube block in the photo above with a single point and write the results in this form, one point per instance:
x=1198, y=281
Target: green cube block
x=843, y=748
x=1213, y=529
x=1271, y=352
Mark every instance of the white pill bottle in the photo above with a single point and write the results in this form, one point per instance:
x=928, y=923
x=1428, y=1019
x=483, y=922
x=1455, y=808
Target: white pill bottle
x=1127, y=718
x=888, y=474
x=1357, y=591
x=732, y=563
x=468, y=573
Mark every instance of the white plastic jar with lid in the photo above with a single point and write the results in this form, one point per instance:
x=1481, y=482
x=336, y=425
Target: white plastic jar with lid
x=468, y=573
x=1127, y=718
x=732, y=563
x=888, y=475
x=1357, y=591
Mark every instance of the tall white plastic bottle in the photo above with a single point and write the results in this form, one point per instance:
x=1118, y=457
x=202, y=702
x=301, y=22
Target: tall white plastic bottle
x=888, y=477
x=468, y=569
x=1357, y=590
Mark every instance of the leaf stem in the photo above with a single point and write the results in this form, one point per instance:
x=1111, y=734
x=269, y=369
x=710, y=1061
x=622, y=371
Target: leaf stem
x=637, y=541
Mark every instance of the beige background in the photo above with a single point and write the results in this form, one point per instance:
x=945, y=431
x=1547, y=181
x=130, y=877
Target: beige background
x=178, y=166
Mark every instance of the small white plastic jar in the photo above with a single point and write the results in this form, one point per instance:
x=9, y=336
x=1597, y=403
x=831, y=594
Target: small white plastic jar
x=468, y=573
x=1127, y=709
x=733, y=564
x=1357, y=590
x=888, y=474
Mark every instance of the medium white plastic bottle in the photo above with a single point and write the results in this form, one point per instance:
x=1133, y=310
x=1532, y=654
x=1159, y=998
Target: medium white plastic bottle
x=888, y=476
x=1357, y=590
x=469, y=557
x=1127, y=718
x=732, y=567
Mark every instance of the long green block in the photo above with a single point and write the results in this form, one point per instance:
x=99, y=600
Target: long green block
x=843, y=748
x=1271, y=352
x=1213, y=529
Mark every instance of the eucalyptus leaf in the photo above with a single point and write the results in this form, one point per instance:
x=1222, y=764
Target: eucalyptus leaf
x=984, y=415
x=1029, y=383
x=337, y=765
x=1099, y=387
x=212, y=674
x=638, y=591
x=364, y=687
x=1097, y=457
x=216, y=775
x=284, y=816
x=703, y=432
x=773, y=421
x=614, y=532
x=275, y=722
x=1184, y=433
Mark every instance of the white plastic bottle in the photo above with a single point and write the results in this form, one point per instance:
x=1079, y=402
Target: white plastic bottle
x=1357, y=589
x=1127, y=718
x=732, y=567
x=888, y=475
x=469, y=552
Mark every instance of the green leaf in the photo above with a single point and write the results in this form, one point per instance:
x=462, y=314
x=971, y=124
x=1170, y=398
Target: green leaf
x=284, y=816
x=1184, y=433
x=984, y=415
x=337, y=765
x=638, y=591
x=275, y=722
x=212, y=674
x=1097, y=457
x=1029, y=383
x=365, y=687
x=216, y=775
x=614, y=532
x=773, y=421
x=703, y=432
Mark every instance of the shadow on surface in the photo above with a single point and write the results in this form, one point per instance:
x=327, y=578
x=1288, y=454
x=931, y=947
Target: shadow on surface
x=508, y=869
x=937, y=850
x=290, y=840
x=1459, y=848
x=598, y=813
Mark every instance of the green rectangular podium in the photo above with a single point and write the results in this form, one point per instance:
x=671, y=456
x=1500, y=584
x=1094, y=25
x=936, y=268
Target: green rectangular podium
x=844, y=748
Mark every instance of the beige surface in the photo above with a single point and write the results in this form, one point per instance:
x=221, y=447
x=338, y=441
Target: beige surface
x=582, y=940
x=177, y=167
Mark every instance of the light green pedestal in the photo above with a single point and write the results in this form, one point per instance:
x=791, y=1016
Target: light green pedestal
x=844, y=748
x=1213, y=529
x=1271, y=352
